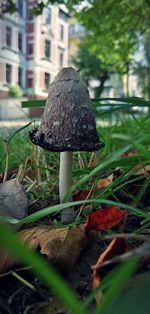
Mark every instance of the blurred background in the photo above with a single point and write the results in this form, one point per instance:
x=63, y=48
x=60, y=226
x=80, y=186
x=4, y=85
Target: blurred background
x=108, y=42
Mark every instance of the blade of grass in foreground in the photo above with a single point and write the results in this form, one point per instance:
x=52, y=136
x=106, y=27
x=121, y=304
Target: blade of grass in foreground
x=119, y=281
x=46, y=273
x=136, y=297
x=106, y=283
x=57, y=208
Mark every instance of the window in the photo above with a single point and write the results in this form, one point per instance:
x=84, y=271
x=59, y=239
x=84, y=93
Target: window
x=8, y=36
x=20, y=76
x=61, y=58
x=20, y=42
x=61, y=34
x=30, y=82
x=47, y=49
x=8, y=73
x=30, y=49
x=76, y=29
x=47, y=16
x=30, y=14
x=47, y=80
x=63, y=15
x=20, y=7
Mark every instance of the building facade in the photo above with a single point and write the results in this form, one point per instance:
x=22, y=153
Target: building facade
x=76, y=33
x=32, y=48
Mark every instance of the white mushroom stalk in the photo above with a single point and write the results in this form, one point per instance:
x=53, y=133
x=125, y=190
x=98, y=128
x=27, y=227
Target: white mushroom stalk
x=65, y=183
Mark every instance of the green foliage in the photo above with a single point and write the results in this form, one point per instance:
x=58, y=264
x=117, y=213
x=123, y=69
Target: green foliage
x=7, y=7
x=122, y=134
x=90, y=67
x=114, y=28
x=15, y=91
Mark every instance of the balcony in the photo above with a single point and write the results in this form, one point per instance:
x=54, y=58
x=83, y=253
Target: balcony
x=76, y=30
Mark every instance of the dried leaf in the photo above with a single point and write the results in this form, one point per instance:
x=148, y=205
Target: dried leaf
x=81, y=195
x=102, y=183
x=142, y=169
x=60, y=246
x=118, y=246
x=129, y=153
x=105, y=218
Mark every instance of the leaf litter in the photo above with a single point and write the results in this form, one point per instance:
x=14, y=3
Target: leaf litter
x=72, y=250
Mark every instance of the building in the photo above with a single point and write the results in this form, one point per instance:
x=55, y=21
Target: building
x=76, y=33
x=32, y=49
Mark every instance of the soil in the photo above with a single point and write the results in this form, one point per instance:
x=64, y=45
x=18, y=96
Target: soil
x=17, y=298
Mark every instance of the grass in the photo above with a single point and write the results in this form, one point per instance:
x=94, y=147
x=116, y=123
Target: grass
x=38, y=171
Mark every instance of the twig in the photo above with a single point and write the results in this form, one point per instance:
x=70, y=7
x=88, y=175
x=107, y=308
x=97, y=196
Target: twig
x=23, y=281
x=138, y=252
x=19, y=174
x=6, y=165
x=91, y=159
x=82, y=207
x=23, y=172
x=31, y=186
x=38, y=152
x=80, y=161
x=46, y=168
x=17, y=269
x=128, y=236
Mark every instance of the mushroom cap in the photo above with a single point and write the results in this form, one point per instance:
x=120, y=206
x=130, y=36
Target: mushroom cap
x=68, y=122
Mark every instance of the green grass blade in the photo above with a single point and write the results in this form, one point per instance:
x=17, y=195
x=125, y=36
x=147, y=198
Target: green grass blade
x=19, y=130
x=104, y=165
x=33, y=103
x=112, y=294
x=56, y=208
x=135, y=101
x=136, y=298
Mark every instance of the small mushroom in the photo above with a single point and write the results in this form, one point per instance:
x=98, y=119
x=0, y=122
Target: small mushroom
x=67, y=125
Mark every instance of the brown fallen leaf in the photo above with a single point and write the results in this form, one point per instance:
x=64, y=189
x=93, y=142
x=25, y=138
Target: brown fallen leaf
x=117, y=246
x=129, y=153
x=60, y=246
x=81, y=195
x=141, y=169
x=102, y=183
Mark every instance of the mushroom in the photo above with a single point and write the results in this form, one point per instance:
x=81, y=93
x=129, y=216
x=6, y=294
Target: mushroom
x=67, y=125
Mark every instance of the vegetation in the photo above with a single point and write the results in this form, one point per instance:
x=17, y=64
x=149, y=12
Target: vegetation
x=124, y=134
x=113, y=43
x=114, y=32
x=15, y=91
x=90, y=67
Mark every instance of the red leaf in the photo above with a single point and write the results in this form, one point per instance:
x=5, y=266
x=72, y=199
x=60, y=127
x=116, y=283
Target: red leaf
x=106, y=218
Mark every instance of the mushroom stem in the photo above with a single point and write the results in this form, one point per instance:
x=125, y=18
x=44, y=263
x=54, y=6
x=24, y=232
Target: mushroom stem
x=65, y=182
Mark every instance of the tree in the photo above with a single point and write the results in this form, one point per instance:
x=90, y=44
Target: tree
x=90, y=67
x=114, y=28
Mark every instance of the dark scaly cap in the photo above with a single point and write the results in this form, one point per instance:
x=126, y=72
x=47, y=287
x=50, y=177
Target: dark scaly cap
x=68, y=122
